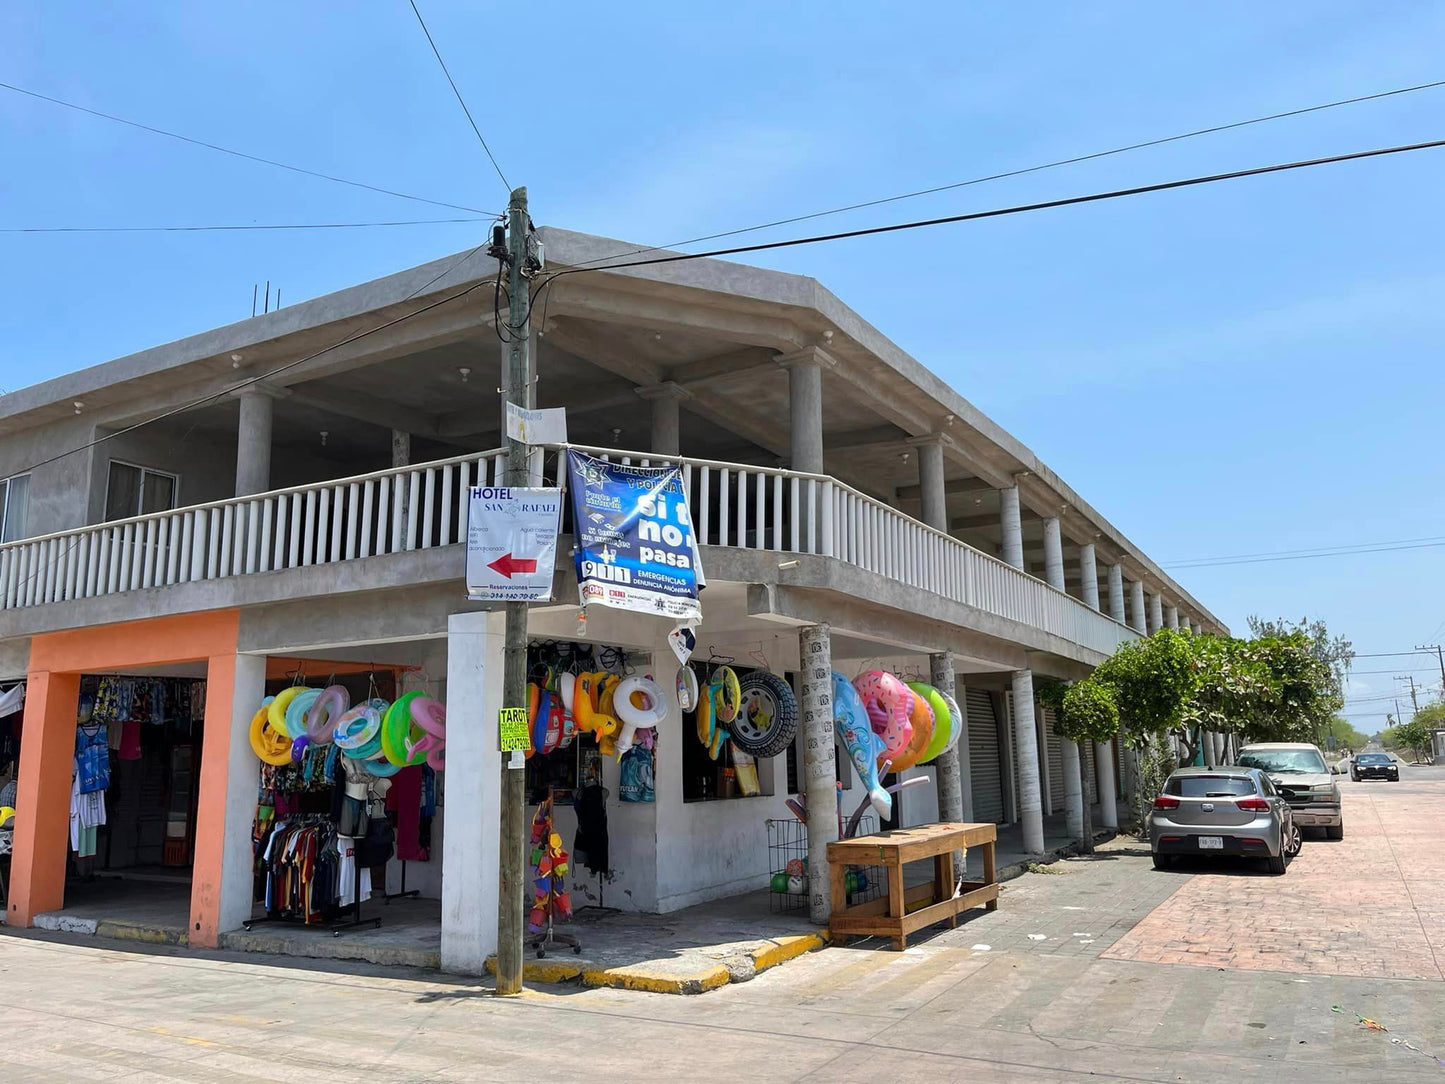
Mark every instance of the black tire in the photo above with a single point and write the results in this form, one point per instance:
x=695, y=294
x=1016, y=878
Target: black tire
x=1335, y=831
x=1163, y=861
x=761, y=688
x=1275, y=863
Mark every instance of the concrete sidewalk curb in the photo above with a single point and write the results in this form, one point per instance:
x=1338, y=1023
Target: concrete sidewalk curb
x=739, y=967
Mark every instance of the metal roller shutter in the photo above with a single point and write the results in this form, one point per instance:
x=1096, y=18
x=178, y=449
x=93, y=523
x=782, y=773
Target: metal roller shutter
x=983, y=757
x=1055, y=746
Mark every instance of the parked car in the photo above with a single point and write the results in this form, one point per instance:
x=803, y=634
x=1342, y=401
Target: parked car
x=1222, y=811
x=1374, y=766
x=1299, y=772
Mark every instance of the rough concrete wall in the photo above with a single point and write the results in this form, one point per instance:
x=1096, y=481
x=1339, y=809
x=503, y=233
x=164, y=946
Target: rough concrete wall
x=58, y=490
x=205, y=466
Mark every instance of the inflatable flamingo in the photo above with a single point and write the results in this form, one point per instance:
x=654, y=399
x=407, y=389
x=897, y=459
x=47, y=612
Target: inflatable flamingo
x=850, y=720
x=889, y=703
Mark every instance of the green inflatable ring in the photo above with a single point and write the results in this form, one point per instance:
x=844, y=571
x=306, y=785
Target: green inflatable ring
x=397, y=727
x=942, y=721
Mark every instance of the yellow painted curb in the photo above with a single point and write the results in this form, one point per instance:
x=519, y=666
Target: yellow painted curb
x=546, y=971
x=635, y=978
x=783, y=949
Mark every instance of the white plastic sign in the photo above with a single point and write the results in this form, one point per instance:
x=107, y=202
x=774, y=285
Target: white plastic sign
x=512, y=543
x=537, y=426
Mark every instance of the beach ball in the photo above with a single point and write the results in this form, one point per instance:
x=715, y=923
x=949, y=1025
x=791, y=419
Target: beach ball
x=795, y=868
x=797, y=886
x=780, y=882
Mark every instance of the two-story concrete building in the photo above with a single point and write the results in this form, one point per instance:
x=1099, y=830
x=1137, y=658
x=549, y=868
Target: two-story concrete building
x=287, y=494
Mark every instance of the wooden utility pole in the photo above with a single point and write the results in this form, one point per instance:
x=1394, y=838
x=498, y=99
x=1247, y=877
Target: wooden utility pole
x=512, y=879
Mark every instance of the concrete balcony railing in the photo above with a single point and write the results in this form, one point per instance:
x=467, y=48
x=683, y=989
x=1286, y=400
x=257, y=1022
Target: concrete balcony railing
x=424, y=506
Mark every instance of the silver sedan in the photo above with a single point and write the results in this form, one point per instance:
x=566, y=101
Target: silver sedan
x=1222, y=811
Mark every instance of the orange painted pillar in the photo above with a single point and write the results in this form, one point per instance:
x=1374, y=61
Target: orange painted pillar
x=221, y=870
x=42, y=818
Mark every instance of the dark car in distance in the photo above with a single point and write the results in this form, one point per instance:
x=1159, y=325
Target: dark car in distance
x=1374, y=766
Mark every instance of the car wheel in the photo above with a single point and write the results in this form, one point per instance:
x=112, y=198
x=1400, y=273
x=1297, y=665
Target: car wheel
x=1335, y=831
x=1163, y=861
x=768, y=719
x=1275, y=864
x=1293, y=842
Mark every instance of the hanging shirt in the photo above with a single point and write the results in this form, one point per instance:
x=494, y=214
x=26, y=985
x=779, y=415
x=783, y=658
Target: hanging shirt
x=92, y=758
x=87, y=811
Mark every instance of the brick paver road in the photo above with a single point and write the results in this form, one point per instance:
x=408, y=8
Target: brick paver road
x=1372, y=904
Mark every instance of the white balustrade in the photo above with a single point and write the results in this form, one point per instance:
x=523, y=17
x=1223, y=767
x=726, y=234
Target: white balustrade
x=424, y=506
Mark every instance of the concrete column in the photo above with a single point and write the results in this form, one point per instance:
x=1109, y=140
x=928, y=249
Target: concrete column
x=1089, y=575
x=1197, y=628
x=1048, y=801
x=471, y=844
x=666, y=399
x=400, y=448
x=1053, y=553
x=1156, y=612
x=1108, y=803
x=820, y=767
x=930, y=481
x=253, y=439
x=221, y=874
x=805, y=407
x=1073, y=790
x=1116, y=592
x=1031, y=815
x=1211, y=752
x=1171, y=617
x=43, y=780
x=1136, y=606
x=953, y=785
x=1013, y=526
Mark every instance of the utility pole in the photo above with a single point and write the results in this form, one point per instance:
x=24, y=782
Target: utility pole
x=1439, y=657
x=512, y=879
x=1413, y=698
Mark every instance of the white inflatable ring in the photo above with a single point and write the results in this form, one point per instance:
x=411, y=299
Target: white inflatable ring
x=567, y=686
x=631, y=715
x=687, y=691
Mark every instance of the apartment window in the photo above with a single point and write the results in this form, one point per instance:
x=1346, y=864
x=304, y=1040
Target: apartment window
x=14, y=497
x=138, y=491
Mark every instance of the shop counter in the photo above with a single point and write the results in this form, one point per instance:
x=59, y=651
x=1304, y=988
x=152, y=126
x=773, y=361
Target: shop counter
x=905, y=910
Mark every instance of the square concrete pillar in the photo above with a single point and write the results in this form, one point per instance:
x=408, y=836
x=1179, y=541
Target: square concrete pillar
x=42, y=797
x=221, y=873
x=471, y=845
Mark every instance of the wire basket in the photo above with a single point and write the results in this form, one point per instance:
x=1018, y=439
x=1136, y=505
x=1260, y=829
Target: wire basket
x=788, y=868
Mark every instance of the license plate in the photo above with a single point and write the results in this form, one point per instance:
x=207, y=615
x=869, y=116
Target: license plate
x=1211, y=843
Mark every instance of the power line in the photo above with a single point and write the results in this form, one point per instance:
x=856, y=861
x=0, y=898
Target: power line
x=235, y=153
x=1308, y=549
x=1000, y=212
x=1387, y=654
x=1026, y=170
x=267, y=226
x=460, y=100
x=1298, y=555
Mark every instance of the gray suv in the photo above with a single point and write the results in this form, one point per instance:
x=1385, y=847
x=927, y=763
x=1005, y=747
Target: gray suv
x=1298, y=770
x=1222, y=811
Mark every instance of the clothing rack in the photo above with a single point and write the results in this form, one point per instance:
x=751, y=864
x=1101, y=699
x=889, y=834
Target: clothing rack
x=387, y=897
x=337, y=925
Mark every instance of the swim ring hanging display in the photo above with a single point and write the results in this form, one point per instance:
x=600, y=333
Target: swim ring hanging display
x=923, y=721
x=271, y=745
x=640, y=703
x=889, y=704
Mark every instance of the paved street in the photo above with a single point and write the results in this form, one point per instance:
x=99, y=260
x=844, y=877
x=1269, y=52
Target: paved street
x=1080, y=974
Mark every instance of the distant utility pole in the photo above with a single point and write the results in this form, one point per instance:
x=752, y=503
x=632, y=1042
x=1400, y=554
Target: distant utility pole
x=1414, y=700
x=1439, y=657
x=512, y=879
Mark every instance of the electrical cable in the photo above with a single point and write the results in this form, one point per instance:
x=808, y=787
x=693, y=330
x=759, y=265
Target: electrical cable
x=206, y=229
x=1044, y=205
x=1313, y=551
x=1304, y=556
x=460, y=100
x=237, y=154
x=1026, y=170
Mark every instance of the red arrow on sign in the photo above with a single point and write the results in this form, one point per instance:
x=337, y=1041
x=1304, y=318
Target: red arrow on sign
x=507, y=564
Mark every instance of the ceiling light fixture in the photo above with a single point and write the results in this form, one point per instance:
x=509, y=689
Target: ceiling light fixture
x=466, y=372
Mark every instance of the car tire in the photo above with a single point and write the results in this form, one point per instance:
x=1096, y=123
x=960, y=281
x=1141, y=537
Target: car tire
x=1335, y=831
x=1275, y=863
x=782, y=724
x=1163, y=861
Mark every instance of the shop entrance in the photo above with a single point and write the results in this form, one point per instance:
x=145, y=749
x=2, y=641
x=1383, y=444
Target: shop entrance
x=135, y=790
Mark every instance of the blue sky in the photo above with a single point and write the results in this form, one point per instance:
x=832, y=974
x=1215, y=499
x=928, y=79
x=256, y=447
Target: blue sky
x=1245, y=367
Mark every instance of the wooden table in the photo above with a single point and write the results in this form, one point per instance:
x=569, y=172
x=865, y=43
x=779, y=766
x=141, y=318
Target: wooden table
x=904, y=911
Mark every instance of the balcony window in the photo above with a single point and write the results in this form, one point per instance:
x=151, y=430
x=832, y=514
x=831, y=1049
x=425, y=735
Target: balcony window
x=14, y=497
x=138, y=491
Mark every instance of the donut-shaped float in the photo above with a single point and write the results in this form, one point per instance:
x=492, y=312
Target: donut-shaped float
x=888, y=703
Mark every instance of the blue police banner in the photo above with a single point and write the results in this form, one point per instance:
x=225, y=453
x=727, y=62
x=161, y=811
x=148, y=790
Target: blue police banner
x=635, y=544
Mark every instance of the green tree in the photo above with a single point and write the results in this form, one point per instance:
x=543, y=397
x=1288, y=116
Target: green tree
x=1335, y=652
x=1414, y=736
x=1345, y=735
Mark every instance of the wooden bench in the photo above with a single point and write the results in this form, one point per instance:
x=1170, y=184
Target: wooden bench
x=904, y=911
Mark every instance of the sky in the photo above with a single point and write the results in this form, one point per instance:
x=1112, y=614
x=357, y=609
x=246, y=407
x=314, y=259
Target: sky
x=1239, y=368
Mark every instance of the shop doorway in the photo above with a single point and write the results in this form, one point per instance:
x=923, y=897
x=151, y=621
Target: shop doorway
x=135, y=792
